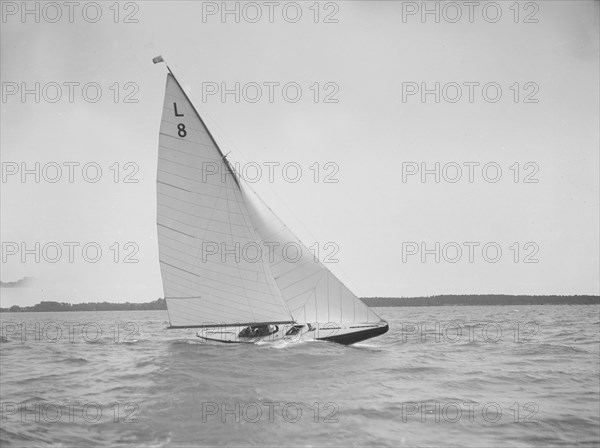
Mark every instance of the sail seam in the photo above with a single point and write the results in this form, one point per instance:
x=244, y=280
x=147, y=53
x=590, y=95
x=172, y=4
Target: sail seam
x=175, y=230
x=174, y=186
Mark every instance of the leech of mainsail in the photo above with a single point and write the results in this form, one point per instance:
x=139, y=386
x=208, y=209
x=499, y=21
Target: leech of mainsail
x=203, y=222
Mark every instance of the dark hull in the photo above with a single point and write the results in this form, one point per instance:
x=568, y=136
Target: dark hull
x=352, y=338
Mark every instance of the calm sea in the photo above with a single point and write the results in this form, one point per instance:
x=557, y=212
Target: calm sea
x=442, y=376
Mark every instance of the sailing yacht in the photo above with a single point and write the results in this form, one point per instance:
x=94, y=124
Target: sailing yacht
x=211, y=229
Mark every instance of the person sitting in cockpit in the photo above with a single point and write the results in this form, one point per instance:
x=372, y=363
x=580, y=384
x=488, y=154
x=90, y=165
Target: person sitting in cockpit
x=257, y=331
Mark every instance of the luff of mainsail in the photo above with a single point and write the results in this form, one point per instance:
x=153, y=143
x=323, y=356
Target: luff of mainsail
x=198, y=214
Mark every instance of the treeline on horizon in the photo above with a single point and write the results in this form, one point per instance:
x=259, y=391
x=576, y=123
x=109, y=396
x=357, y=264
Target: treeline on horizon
x=443, y=300
x=158, y=304
x=481, y=300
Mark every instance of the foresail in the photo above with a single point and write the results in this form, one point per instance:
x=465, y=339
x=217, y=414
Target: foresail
x=311, y=291
x=203, y=226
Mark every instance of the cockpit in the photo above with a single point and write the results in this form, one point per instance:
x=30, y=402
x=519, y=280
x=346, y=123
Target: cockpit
x=254, y=331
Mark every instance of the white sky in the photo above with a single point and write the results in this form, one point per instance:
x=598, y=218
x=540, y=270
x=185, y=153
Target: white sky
x=369, y=133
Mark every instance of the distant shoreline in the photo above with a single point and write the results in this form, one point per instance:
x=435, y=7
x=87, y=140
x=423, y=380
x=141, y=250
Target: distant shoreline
x=50, y=306
x=442, y=300
x=481, y=300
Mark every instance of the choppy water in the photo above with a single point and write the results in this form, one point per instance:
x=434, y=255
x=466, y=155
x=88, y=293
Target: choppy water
x=442, y=376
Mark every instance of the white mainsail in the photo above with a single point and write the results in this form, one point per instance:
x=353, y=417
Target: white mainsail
x=203, y=224
x=311, y=291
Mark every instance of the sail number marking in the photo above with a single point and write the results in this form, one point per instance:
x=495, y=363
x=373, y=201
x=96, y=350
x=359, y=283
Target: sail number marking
x=181, y=131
